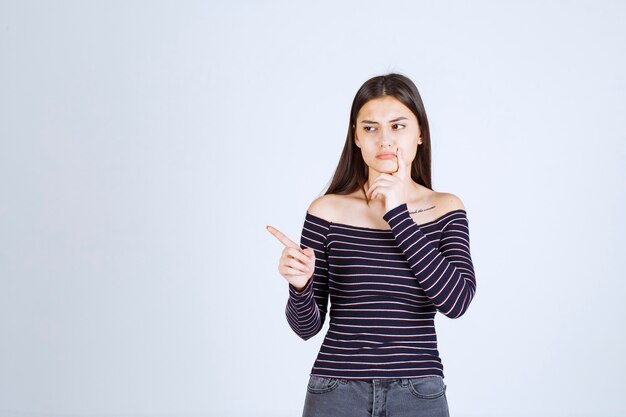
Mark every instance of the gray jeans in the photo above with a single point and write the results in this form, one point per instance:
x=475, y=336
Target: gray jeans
x=401, y=397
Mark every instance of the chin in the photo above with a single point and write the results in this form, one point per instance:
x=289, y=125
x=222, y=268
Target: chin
x=388, y=168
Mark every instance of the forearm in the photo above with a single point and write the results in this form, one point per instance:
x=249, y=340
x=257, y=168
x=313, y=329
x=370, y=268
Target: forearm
x=302, y=311
x=448, y=281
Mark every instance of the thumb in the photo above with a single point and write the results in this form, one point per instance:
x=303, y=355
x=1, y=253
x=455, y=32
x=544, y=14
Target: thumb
x=309, y=252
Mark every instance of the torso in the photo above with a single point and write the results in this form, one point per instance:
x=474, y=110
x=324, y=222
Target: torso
x=424, y=205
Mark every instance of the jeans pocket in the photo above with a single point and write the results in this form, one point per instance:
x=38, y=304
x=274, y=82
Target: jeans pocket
x=428, y=387
x=321, y=385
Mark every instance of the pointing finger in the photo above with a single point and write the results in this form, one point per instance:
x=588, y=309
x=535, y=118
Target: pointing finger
x=401, y=172
x=281, y=237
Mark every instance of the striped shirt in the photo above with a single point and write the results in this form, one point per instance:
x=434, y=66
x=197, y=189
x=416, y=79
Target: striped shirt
x=385, y=286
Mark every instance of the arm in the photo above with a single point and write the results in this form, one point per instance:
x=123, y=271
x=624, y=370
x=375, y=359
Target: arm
x=306, y=310
x=446, y=274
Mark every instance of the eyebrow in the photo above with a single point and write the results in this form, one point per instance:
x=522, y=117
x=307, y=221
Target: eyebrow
x=397, y=119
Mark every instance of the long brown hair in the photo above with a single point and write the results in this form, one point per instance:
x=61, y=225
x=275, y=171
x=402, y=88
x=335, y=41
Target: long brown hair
x=351, y=173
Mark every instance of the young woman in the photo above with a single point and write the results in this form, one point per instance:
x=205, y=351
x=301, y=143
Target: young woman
x=389, y=252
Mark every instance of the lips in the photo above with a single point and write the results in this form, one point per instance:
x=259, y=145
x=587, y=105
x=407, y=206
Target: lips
x=385, y=155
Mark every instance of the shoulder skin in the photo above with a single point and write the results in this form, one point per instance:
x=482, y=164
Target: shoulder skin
x=326, y=206
x=449, y=202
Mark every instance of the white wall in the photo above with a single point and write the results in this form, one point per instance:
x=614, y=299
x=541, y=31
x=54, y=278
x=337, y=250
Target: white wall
x=144, y=146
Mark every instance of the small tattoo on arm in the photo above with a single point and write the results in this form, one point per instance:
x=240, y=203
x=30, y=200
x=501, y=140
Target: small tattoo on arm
x=421, y=210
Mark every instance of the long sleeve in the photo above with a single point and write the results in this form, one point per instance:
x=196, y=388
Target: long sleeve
x=306, y=310
x=446, y=274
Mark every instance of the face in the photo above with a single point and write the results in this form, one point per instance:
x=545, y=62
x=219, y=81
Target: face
x=382, y=126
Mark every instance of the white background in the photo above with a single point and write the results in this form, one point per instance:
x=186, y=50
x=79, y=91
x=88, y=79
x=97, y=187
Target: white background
x=145, y=145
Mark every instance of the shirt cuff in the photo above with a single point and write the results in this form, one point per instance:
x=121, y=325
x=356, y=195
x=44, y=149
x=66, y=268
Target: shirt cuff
x=306, y=291
x=396, y=214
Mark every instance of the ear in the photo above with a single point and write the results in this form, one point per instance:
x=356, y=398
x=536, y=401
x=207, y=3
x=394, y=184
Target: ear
x=356, y=139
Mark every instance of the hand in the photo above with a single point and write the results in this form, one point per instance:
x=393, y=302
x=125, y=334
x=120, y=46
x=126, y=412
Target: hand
x=390, y=187
x=295, y=264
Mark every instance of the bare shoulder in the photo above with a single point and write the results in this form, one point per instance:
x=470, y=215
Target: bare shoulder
x=327, y=206
x=448, y=202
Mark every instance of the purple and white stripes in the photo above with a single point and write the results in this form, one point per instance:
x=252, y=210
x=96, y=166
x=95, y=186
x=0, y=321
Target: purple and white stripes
x=384, y=286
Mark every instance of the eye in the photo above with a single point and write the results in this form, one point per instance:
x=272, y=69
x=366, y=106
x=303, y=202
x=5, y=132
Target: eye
x=398, y=126
x=367, y=128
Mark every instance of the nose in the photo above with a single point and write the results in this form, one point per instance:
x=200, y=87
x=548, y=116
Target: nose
x=385, y=138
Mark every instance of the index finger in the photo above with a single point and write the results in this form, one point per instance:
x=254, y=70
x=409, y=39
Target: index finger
x=281, y=237
x=401, y=171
